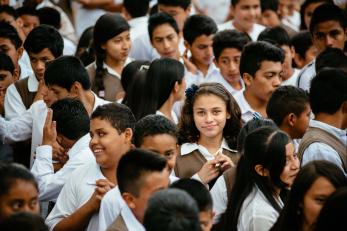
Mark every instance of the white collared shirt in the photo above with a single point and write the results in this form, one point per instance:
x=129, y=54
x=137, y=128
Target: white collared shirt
x=321, y=151
x=130, y=220
x=219, y=196
x=199, y=78
x=75, y=193
x=25, y=66
x=306, y=75
x=292, y=81
x=247, y=112
x=173, y=115
x=13, y=104
x=69, y=47
x=257, y=214
x=257, y=29
x=219, y=79
x=50, y=182
x=138, y=27
x=112, y=71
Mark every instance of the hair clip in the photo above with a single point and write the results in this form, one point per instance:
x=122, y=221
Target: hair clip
x=190, y=91
x=144, y=67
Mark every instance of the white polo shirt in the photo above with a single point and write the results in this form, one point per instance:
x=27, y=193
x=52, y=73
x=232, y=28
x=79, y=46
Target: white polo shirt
x=306, y=75
x=199, y=78
x=257, y=29
x=247, y=113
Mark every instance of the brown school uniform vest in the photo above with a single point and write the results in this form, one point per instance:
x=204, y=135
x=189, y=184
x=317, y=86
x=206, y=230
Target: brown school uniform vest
x=189, y=164
x=113, y=87
x=319, y=135
x=229, y=178
x=22, y=150
x=118, y=225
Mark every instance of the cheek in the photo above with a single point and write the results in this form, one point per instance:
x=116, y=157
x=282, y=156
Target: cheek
x=311, y=210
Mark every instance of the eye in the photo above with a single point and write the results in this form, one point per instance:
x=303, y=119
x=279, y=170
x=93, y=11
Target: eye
x=216, y=112
x=16, y=205
x=33, y=203
x=200, y=113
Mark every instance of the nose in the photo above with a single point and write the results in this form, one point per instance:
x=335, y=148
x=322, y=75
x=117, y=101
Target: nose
x=296, y=164
x=329, y=41
x=93, y=141
x=232, y=66
x=277, y=81
x=166, y=44
x=40, y=65
x=208, y=117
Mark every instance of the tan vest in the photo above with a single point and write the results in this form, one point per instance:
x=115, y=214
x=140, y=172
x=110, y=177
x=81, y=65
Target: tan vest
x=189, y=164
x=25, y=94
x=319, y=135
x=118, y=225
x=113, y=87
x=229, y=178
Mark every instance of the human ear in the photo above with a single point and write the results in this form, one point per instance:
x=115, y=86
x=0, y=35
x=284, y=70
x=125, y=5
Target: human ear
x=260, y=170
x=129, y=200
x=291, y=119
x=20, y=52
x=128, y=134
x=247, y=79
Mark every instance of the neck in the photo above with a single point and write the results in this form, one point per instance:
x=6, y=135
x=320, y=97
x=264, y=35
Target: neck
x=110, y=174
x=201, y=67
x=334, y=120
x=116, y=65
x=88, y=100
x=239, y=27
x=166, y=108
x=255, y=103
x=287, y=130
x=211, y=143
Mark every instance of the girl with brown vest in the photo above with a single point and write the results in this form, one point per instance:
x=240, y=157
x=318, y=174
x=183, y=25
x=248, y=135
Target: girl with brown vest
x=208, y=129
x=112, y=45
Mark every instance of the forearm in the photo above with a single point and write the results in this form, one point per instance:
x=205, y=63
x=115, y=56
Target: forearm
x=78, y=220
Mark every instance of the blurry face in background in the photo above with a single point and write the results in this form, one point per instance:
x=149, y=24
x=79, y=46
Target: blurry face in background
x=201, y=50
x=29, y=23
x=229, y=65
x=309, y=11
x=165, y=40
x=178, y=13
x=246, y=13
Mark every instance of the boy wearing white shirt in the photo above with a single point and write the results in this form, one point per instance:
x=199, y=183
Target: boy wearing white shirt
x=227, y=48
x=246, y=13
x=68, y=122
x=261, y=70
x=198, y=32
x=140, y=173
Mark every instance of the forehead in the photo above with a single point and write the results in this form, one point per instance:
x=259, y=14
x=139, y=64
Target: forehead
x=29, y=17
x=204, y=39
x=44, y=53
x=170, y=9
x=6, y=17
x=270, y=66
x=158, y=140
x=5, y=42
x=208, y=101
x=328, y=26
x=163, y=30
x=230, y=53
x=247, y=2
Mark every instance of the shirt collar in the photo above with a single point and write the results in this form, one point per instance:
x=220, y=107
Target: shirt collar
x=190, y=147
x=113, y=72
x=98, y=101
x=33, y=84
x=243, y=104
x=82, y=143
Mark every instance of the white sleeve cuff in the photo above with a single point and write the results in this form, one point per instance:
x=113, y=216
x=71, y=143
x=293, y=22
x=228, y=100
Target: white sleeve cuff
x=44, y=152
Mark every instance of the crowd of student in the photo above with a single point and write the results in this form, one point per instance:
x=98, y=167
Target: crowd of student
x=173, y=115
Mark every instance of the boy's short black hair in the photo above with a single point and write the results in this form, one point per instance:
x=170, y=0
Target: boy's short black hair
x=136, y=8
x=275, y=35
x=27, y=10
x=159, y=19
x=196, y=190
x=50, y=16
x=71, y=117
x=118, y=115
x=172, y=210
x=134, y=166
x=65, y=71
x=24, y=221
x=9, y=10
x=42, y=37
x=331, y=57
x=327, y=12
x=255, y=53
x=184, y=4
x=285, y=100
x=197, y=25
x=328, y=91
x=6, y=63
x=152, y=125
x=301, y=42
x=229, y=39
x=269, y=5
x=9, y=32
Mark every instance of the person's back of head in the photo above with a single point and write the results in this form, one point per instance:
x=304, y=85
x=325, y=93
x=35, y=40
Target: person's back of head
x=50, y=16
x=332, y=215
x=136, y=8
x=24, y=221
x=85, y=50
x=284, y=101
x=275, y=35
x=152, y=125
x=130, y=70
x=255, y=53
x=72, y=119
x=159, y=19
x=65, y=71
x=196, y=190
x=43, y=37
x=328, y=91
x=198, y=25
x=7, y=31
x=172, y=210
x=331, y=57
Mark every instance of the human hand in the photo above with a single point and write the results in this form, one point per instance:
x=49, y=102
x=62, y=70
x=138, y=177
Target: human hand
x=209, y=171
x=102, y=187
x=49, y=130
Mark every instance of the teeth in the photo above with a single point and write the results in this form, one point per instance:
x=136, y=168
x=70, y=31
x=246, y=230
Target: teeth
x=97, y=150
